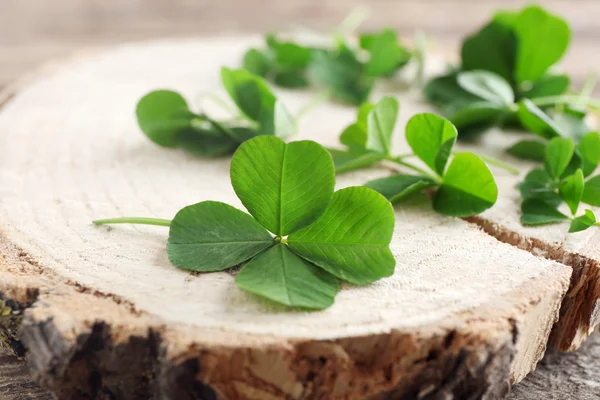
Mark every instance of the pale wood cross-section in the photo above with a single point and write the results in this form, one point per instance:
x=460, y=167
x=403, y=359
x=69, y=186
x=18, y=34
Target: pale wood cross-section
x=106, y=314
x=580, y=312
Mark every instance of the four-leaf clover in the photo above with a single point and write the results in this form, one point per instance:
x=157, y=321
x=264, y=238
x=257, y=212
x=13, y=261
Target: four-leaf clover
x=299, y=237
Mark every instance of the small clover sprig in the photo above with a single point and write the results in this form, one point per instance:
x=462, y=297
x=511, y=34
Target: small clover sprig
x=346, y=70
x=506, y=77
x=564, y=178
x=300, y=236
x=165, y=117
x=463, y=188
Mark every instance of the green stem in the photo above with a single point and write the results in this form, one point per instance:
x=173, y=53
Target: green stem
x=406, y=155
x=589, y=85
x=353, y=20
x=421, y=171
x=312, y=103
x=223, y=130
x=224, y=105
x=419, y=54
x=134, y=220
x=597, y=223
x=500, y=164
x=567, y=99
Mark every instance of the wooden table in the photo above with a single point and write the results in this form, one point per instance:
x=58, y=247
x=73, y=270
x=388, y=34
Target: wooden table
x=34, y=31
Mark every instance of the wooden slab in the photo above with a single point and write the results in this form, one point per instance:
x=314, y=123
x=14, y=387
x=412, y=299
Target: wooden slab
x=108, y=315
x=580, y=312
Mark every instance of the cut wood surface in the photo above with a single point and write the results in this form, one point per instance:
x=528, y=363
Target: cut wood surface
x=580, y=312
x=107, y=315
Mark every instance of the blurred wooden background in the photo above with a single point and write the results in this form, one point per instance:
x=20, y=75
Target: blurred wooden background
x=35, y=31
x=32, y=31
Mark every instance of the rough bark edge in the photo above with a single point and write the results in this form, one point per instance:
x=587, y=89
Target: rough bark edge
x=121, y=353
x=11, y=316
x=579, y=312
x=448, y=364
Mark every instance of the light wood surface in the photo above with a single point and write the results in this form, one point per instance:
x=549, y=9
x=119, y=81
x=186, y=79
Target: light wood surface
x=477, y=311
x=32, y=32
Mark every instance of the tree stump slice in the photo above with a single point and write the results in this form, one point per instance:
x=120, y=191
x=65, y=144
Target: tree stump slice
x=107, y=316
x=580, y=312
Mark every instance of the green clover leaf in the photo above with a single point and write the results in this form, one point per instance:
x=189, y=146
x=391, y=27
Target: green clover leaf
x=350, y=248
x=465, y=188
x=227, y=237
x=591, y=192
x=570, y=190
x=386, y=53
x=487, y=85
x=538, y=212
x=510, y=59
x=468, y=187
x=342, y=73
x=280, y=275
x=491, y=49
x=558, y=155
x=396, y=188
x=161, y=114
x=528, y=150
x=380, y=125
x=350, y=160
x=279, y=186
x=543, y=39
x=589, y=149
x=432, y=138
x=539, y=185
x=369, y=139
x=583, y=222
x=165, y=118
x=537, y=121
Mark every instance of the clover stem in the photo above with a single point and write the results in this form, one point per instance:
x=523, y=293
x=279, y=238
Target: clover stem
x=406, y=155
x=399, y=161
x=589, y=85
x=278, y=239
x=597, y=223
x=312, y=103
x=419, y=54
x=224, y=105
x=500, y=164
x=566, y=99
x=353, y=20
x=134, y=220
x=225, y=131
